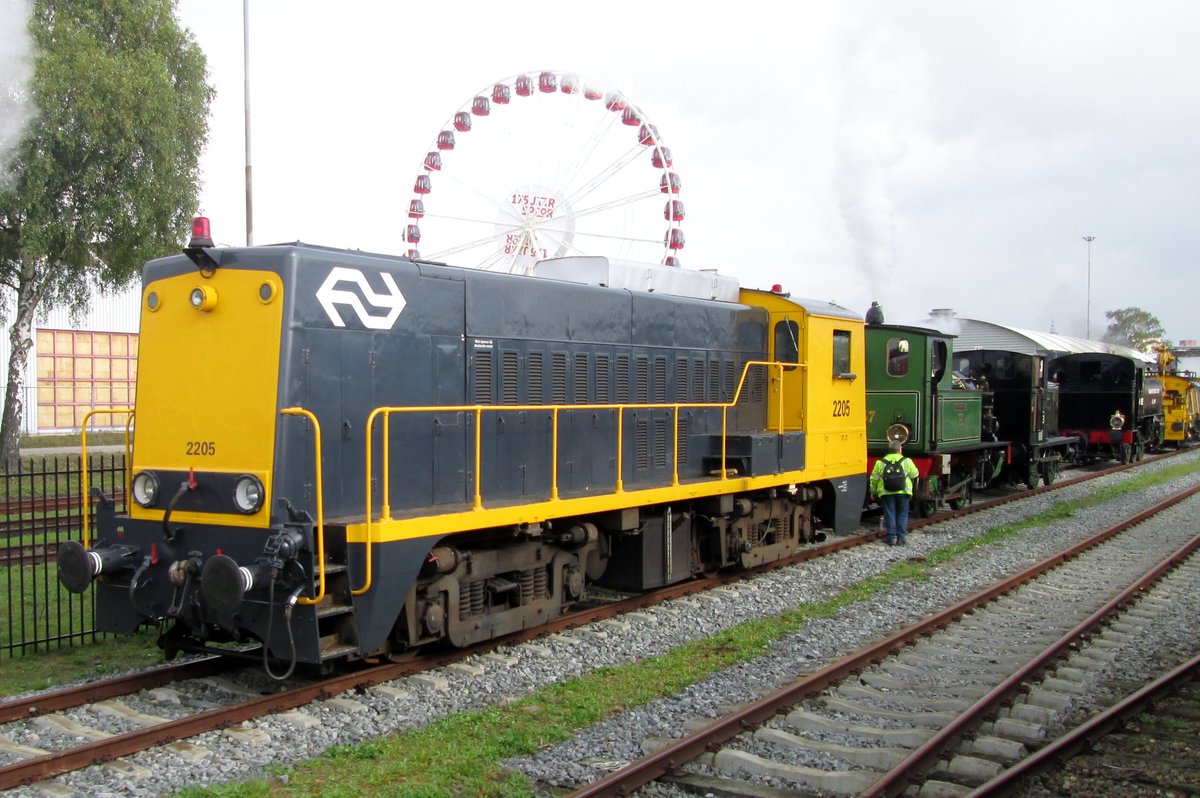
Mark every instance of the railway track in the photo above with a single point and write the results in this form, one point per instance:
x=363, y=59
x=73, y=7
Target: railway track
x=947, y=703
x=147, y=728
x=1144, y=745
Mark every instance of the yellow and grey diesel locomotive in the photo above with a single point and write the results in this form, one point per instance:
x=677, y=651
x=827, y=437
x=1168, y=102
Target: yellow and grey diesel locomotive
x=346, y=455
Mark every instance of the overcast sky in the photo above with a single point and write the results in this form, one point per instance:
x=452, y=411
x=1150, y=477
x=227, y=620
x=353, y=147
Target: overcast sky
x=925, y=154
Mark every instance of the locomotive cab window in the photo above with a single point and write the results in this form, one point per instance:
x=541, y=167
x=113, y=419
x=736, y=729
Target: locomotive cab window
x=941, y=352
x=787, y=342
x=841, y=355
x=897, y=357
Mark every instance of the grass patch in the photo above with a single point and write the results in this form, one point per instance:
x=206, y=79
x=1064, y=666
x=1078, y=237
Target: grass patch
x=106, y=656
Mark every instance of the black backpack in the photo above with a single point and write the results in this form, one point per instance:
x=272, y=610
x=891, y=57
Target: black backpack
x=893, y=475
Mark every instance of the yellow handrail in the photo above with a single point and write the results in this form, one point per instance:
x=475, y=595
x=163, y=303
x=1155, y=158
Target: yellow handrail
x=300, y=411
x=478, y=411
x=83, y=464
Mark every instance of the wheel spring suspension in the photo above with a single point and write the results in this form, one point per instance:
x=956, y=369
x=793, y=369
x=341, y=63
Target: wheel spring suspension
x=533, y=585
x=470, y=599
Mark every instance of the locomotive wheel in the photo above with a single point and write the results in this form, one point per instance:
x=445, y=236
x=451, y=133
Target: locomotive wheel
x=1049, y=471
x=1139, y=451
x=1126, y=454
x=965, y=499
x=922, y=502
x=1032, y=476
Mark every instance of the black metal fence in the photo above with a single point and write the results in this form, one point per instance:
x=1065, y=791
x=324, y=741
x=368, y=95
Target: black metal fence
x=41, y=507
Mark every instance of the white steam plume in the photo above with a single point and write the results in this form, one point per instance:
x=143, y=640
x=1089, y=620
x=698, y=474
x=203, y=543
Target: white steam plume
x=16, y=69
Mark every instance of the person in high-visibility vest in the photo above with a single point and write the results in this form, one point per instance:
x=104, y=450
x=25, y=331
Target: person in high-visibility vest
x=892, y=486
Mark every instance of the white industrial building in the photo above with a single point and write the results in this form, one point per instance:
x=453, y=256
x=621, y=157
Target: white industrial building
x=74, y=368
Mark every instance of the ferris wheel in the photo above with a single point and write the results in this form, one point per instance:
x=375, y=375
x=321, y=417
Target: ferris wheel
x=543, y=165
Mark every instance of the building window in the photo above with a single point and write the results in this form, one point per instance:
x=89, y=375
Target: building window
x=80, y=371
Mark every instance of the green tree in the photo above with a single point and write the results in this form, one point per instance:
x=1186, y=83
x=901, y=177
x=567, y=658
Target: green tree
x=1133, y=327
x=105, y=177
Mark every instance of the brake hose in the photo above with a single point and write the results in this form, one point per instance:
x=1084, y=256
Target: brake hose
x=287, y=616
x=133, y=585
x=184, y=487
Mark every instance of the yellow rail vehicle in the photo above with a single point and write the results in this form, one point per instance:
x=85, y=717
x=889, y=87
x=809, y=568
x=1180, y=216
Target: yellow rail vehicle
x=342, y=455
x=1181, y=401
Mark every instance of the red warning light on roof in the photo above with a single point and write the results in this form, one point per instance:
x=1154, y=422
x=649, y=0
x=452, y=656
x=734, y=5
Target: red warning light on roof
x=777, y=289
x=201, y=232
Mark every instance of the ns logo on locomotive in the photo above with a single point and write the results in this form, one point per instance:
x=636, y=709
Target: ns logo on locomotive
x=345, y=455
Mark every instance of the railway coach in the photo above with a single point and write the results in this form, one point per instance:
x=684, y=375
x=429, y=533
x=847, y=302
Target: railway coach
x=345, y=455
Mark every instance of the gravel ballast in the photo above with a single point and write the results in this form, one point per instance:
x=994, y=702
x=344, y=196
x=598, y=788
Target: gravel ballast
x=264, y=745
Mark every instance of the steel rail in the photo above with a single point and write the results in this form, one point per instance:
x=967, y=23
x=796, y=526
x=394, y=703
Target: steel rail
x=673, y=756
x=58, y=700
x=1007, y=783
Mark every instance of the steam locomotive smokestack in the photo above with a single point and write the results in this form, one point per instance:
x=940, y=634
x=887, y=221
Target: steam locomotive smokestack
x=875, y=314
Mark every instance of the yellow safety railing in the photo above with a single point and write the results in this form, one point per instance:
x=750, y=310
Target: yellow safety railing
x=554, y=410
x=83, y=463
x=300, y=411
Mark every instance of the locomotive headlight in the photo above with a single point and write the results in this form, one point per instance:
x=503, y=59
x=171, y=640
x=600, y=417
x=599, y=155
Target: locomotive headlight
x=203, y=298
x=247, y=494
x=145, y=488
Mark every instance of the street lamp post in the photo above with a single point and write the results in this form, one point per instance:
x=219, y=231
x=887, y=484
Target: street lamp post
x=1088, y=320
x=246, y=75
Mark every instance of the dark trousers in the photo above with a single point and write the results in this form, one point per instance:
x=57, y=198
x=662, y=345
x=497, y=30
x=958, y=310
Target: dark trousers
x=895, y=516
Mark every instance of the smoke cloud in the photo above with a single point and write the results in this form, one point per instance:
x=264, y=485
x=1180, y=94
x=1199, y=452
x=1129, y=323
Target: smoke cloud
x=16, y=69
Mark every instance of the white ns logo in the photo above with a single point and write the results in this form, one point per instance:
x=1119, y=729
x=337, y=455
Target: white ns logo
x=330, y=296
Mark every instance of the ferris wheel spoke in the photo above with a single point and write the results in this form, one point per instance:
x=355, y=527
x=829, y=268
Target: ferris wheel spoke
x=587, y=149
x=618, y=238
x=606, y=174
x=616, y=203
x=468, y=245
x=491, y=200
